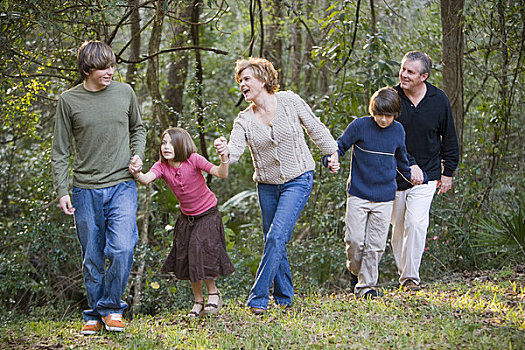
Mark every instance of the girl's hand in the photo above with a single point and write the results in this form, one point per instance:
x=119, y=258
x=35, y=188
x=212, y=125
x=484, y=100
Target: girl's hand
x=221, y=146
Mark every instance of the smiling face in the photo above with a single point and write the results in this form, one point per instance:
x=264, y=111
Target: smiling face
x=99, y=79
x=250, y=86
x=410, y=78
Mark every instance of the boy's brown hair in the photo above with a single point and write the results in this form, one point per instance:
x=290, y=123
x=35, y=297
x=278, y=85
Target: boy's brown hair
x=262, y=69
x=93, y=55
x=385, y=101
x=182, y=143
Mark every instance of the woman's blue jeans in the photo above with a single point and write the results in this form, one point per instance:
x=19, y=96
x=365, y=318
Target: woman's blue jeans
x=281, y=206
x=106, y=224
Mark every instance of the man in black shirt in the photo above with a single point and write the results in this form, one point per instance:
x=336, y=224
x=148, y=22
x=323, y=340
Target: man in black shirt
x=433, y=149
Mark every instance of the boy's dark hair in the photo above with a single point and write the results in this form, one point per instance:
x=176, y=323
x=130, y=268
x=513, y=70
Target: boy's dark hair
x=182, y=143
x=93, y=55
x=385, y=101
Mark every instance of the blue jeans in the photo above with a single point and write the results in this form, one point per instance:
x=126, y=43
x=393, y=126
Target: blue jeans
x=280, y=209
x=106, y=224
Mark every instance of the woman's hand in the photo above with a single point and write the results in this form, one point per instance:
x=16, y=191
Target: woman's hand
x=333, y=163
x=221, y=146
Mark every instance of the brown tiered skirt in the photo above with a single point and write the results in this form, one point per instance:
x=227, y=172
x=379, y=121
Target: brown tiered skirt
x=199, y=248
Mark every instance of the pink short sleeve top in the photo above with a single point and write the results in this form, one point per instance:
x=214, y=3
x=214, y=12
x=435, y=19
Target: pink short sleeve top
x=188, y=184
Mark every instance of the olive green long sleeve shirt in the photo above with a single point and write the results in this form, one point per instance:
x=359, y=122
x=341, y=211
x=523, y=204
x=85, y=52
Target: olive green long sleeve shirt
x=98, y=129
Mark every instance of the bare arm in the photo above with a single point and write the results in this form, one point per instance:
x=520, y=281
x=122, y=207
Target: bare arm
x=222, y=149
x=145, y=178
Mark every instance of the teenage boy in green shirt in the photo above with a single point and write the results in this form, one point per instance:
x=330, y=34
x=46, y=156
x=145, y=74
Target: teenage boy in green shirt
x=103, y=118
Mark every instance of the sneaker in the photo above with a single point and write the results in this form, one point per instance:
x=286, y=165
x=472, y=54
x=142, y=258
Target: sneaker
x=410, y=285
x=114, y=322
x=353, y=282
x=91, y=327
x=257, y=311
x=372, y=294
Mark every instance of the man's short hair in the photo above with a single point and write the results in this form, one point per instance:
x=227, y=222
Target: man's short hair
x=426, y=61
x=93, y=55
x=385, y=101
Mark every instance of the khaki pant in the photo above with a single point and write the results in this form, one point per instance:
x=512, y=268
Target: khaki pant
x=410, y=219
x=367, y=226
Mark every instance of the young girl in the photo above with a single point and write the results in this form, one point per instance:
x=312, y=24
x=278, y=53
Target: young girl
x=199, y=247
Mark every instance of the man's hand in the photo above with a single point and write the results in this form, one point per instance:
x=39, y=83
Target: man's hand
x=333, y=163
x=416, y=175
x=65, y=205
x=444, y=184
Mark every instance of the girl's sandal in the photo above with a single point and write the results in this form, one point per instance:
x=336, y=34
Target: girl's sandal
x=197, y=309
x=213, y=308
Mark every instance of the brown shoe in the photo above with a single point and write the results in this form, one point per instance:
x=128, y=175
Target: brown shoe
x=91, y=327
x=257, y=310
x=114, y=322
x=410, y=285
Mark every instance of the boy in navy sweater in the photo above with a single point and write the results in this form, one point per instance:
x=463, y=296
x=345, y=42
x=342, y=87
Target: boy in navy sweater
x=378, y=153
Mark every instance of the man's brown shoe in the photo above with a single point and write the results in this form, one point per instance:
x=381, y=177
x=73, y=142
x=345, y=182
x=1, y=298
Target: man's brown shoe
x=410, y=285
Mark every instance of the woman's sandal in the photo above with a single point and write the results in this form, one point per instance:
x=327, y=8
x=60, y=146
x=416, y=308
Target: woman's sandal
x=213, y=308
x=197, y=309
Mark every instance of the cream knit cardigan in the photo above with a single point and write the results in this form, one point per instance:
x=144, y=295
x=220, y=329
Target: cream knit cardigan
x=279, y=151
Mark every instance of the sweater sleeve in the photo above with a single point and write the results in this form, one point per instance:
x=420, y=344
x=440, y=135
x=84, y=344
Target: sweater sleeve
x=403, y=165
x=137, y=132
x=237, y=143
x=345, y=141
x=316, y=130
x=449, y=142
x=61, y=149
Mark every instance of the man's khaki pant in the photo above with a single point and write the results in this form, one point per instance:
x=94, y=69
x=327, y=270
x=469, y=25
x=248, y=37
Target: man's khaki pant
x=367, y=226
x=410, y=219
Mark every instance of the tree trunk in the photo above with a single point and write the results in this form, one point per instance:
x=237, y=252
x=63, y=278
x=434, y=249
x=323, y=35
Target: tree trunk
x=453, y=47
x=297, y=58
x=273, y=49
x=131, y=74
x=153, y=87
x=178, y=68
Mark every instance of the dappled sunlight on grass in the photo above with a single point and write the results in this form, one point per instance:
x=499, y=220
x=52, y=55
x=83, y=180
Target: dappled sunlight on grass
x=465, y=313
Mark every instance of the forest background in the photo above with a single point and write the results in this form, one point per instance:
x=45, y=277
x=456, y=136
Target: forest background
x=179, y=58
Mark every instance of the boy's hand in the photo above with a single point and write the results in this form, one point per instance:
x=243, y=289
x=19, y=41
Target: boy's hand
x=65, y=205
x=333, y=163
x=135, y=165
x=221, y=146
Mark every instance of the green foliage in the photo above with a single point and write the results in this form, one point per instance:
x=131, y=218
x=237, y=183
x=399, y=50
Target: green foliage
x=500, y=237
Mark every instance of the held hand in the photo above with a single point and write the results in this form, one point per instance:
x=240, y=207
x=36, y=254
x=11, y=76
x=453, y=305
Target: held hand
x=221, y=146
x=65, y=205
x=444, y=184
x=333, y=163
x=135, y=165
x=416, y=175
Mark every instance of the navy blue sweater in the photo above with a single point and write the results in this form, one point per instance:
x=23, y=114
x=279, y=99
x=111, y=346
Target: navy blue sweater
x=376, y=154
x=431, y=140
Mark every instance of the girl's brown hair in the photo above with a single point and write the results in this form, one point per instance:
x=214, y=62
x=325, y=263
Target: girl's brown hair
x=262, y=69
x=182, y=143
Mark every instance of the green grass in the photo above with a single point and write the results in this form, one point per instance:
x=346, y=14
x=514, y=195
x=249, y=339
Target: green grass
x=465, y=313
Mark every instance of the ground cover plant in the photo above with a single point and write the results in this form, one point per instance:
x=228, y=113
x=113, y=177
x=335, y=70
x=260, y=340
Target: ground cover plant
x=468, y=311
